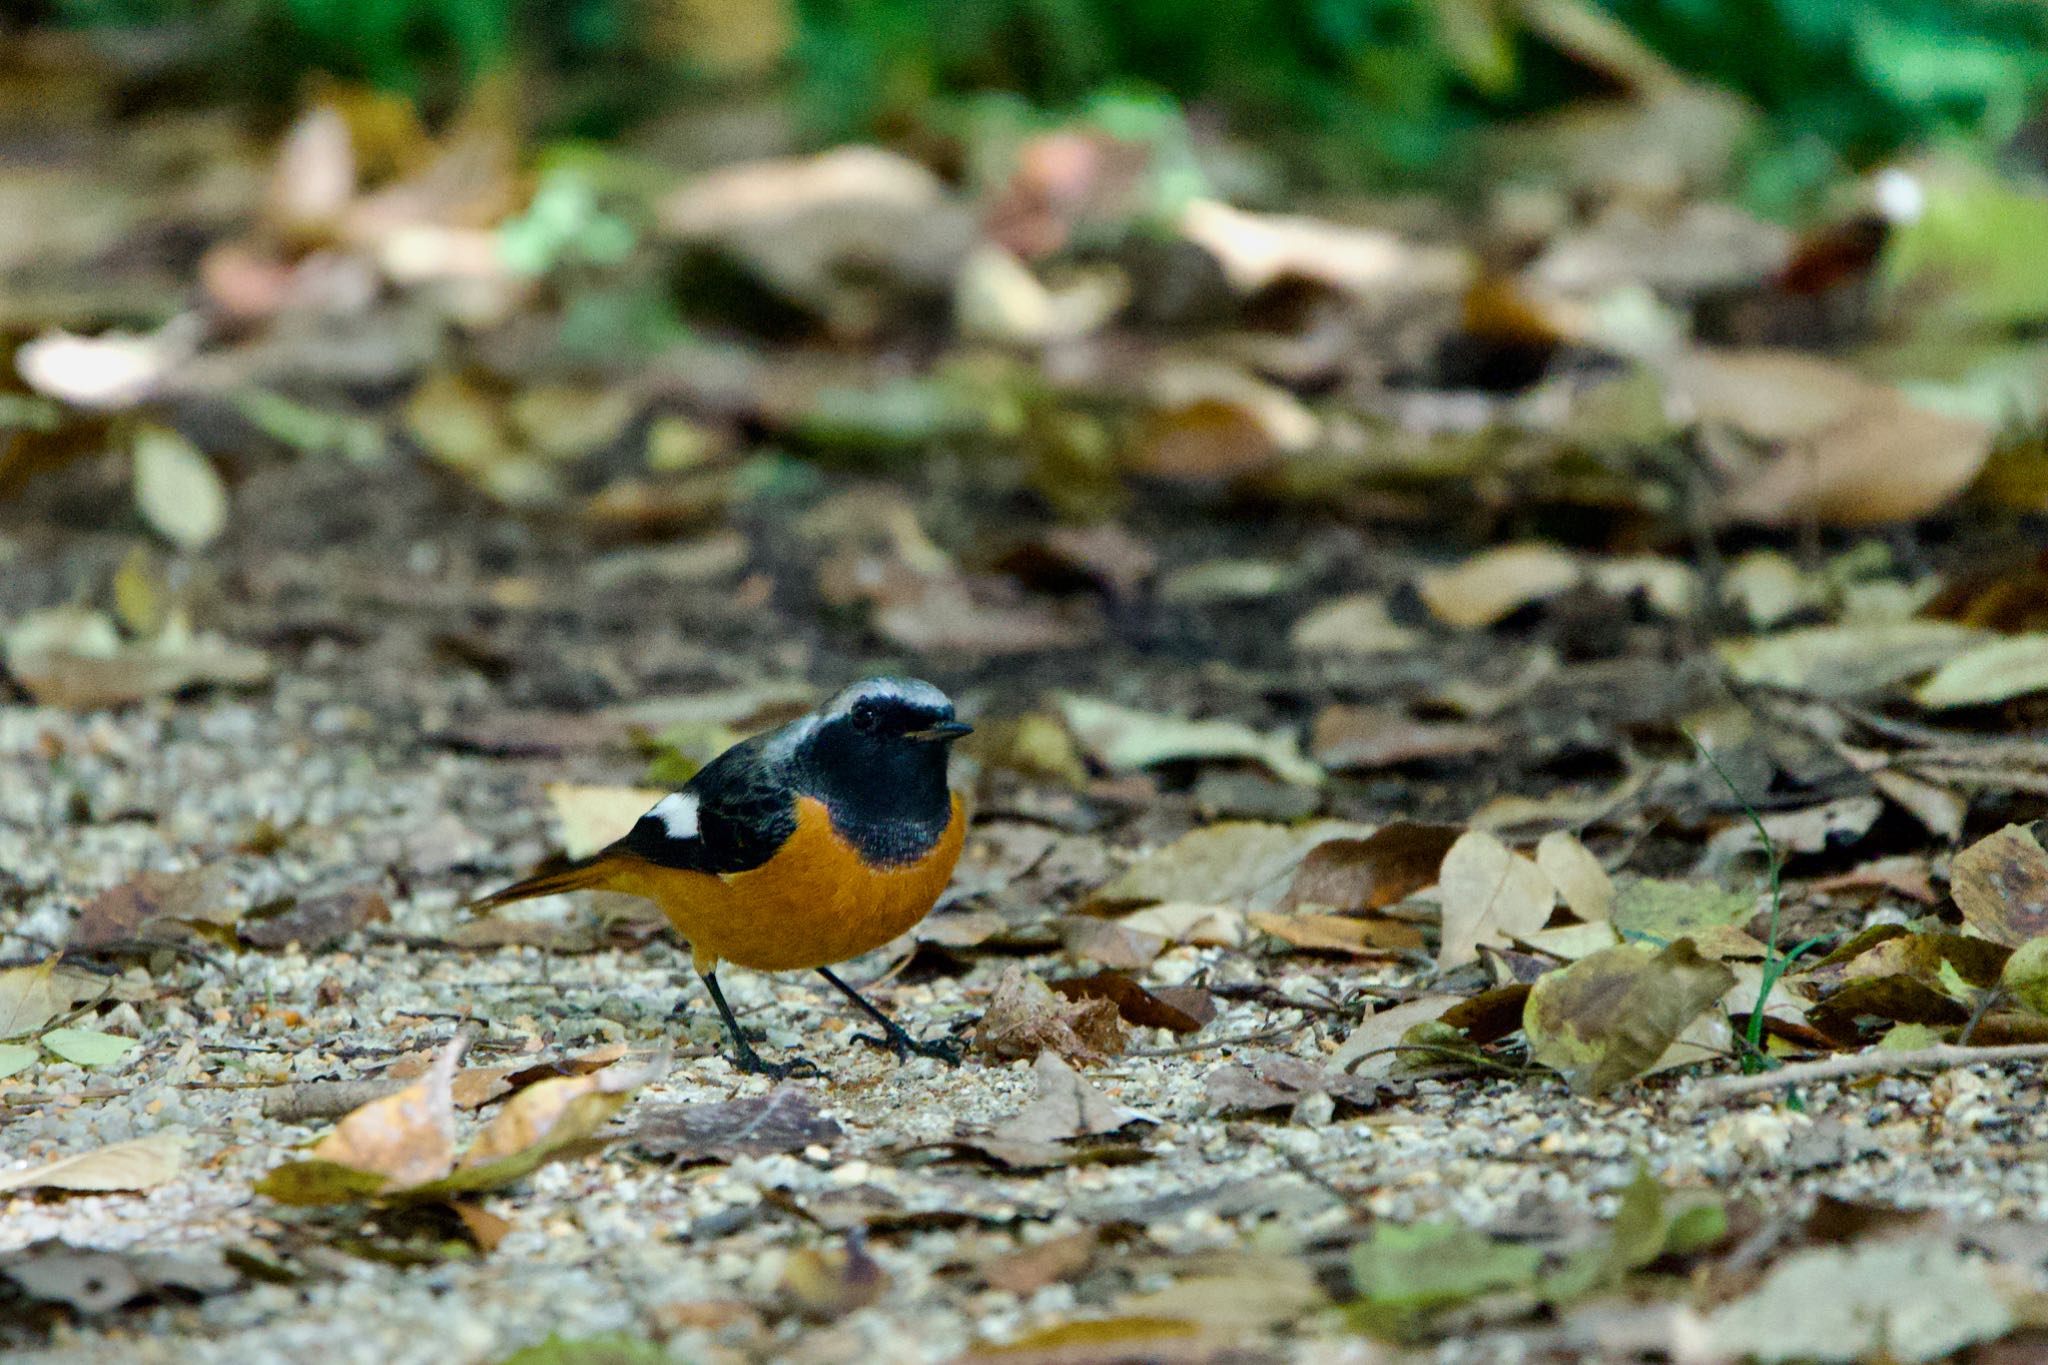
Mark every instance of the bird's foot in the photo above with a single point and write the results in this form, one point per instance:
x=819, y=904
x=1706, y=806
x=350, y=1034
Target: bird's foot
x=905, y=1047
x=744, y=1058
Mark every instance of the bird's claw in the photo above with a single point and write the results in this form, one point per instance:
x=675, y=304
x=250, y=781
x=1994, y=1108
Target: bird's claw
x=905, y=1047
x=754, y=1064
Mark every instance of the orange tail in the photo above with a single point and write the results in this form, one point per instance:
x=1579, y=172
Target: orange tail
x=602, y=871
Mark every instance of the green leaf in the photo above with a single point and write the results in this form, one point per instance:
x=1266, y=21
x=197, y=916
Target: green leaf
x=1606, y=1019
x=88, y=1047
x=612, y=1348
x=320, y=1182
x=17, y=1057
x=1406, y=1272
x=1662, y=911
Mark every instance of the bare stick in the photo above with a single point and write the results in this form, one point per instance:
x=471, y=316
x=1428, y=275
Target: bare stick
x=1875, y=1062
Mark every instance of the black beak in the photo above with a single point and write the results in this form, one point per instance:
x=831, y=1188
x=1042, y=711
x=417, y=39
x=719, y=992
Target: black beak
x=944, y=731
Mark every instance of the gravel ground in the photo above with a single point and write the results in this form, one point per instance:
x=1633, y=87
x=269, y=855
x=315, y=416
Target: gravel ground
x=696, y=1256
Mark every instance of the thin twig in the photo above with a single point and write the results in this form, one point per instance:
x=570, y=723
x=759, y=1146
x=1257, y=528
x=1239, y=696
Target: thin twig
x=1872, y=1063
x=1202, y=1045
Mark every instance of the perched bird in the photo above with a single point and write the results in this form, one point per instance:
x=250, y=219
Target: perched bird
x=798, y=848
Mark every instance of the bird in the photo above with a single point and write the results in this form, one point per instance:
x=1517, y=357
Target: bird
x=798, y=849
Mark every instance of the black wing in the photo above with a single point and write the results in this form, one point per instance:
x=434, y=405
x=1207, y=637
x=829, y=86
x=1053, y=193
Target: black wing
x=744, y=810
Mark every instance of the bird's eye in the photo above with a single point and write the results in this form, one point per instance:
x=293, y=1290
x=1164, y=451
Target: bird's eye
x=864, y=717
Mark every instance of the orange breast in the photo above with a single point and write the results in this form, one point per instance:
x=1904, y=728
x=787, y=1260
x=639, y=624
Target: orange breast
x=811, y=905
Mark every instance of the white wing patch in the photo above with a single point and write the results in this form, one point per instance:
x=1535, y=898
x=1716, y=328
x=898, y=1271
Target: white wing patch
x=678, y=812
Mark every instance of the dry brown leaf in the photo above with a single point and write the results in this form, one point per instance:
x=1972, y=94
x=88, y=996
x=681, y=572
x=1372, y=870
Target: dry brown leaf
x=153, y=907
x=1024, y=1019
x=1495, y=583
x=1491, y=895
x=140, y=1164
x=551, y=1113
x=1578, y=876
x=408, y=1137
x=1230, y=862
x=1125, y=740
x=1362, y=738
x=1065, y=1108
x=1179, y=1009
x=2001, y=886
x=1386, y=866
x=1357, y=624
x=72, y=657
x=1257, y=250
x=1337, y=934
x=1029, y=1269
x=1365, y=1051
x=1852, y=453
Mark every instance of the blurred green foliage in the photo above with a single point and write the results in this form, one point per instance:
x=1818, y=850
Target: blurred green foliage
x=1349, y=88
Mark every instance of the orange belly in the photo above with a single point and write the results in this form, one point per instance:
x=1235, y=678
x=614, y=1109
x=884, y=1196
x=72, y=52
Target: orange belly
x=811, y=905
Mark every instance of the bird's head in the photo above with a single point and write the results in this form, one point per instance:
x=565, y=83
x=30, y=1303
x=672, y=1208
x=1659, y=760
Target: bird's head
x=879, y=747
x=885, y=712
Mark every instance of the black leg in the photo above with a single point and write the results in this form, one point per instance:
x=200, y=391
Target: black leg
x=893, y=1035
x=744, y=1056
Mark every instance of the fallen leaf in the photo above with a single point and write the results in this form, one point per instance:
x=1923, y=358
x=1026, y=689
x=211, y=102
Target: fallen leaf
x=1491, y=895
x=401, y=1140
x=829, y=1284
x=1578, y=876
x=784, y=1120
x=1404, y=1273
x=1231, y=862
x=1178, y=1009
x=1025, y=1019
x=1497, y=582
x=1055, y=1260
x=1851, y=453
x=153, y=907
x=1989, y=673
x=317, y=922
x=592, y=817
x=1237, y=1292
x=1913, y=1299
x=1065, y=1108
x=821, y=229
x=1938, y=808
x=546, y=1120
x=1208, y=926
x=605, y=1348
x=1609, y=1018
x=2001, y=885
x=1123, y=740
x=1262, y=1081
x=68, y=656
x=1357, y=624
x=2025, y=976
x=1364, y=738
x=31, y=997
x=1661, y=911
x=87, y=1047
x=1372, y=873
x=177, y=490
x=1258, y=250
x=139, y=1164
x=1084, y=938
x=1365, y=1052
x=110, y=371
x=1846, y=662
x=1814, y=829
x=16, y=1058
x=1339, y=934
x=1211, y=423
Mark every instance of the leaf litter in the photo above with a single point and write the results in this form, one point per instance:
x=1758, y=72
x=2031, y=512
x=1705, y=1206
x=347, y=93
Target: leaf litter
x=1328, y=960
